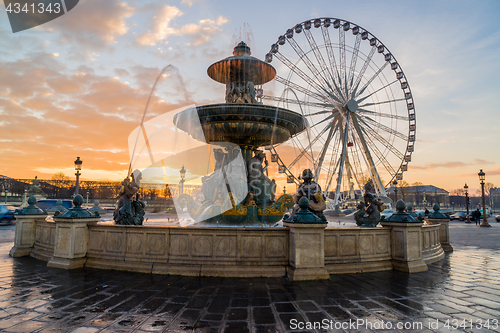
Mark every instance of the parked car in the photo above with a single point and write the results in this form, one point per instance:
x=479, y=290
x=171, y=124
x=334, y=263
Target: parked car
x=49, y=203
x=6, y=214
x=461, y=216
x=497, y=217
x=386, y=213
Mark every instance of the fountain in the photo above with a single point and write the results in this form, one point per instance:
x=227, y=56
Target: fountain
x=239, y=192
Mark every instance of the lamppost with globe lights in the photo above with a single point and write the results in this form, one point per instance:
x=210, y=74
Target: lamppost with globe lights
x=466, y=188
x=78, y=167
x=481, y=175
x=181, y=183
x=395, y=183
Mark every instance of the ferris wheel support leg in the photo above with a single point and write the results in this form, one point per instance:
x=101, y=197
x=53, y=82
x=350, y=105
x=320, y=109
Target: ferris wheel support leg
x=373, y=171
x=342, y=160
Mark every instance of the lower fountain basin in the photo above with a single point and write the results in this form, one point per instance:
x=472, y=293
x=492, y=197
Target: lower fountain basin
x=253, y=125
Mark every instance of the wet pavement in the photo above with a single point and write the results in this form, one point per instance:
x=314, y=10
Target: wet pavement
x=459, y=293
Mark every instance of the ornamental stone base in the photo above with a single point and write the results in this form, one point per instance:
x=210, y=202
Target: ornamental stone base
x=71, y=243
x=307, y=252
x=406, y=246
x=444, y=233
x=24, y=239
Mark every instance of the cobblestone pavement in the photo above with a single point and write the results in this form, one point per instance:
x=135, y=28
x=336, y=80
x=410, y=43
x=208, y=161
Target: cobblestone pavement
x=463, y=288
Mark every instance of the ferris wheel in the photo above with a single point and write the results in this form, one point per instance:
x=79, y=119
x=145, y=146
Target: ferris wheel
x=357, y=101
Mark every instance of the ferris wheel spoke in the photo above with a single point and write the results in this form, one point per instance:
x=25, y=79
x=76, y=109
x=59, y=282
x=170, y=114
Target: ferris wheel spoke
x=342, y=56
x=376, y=91
x=305, y=59
x=370, y=122
x=385, y=115
x=383, y=102
x=299, y=72
x=303, y=90
x=335, y=116
x=309, y=147
x=319, y=57
x=363, y=70
x=354, y=59
x=322, y=112
x=324, y=150
x=383, y=141
x=372, y=78
x=294, y=101
x=331, y=54
x=380, y=156
x=332, y=95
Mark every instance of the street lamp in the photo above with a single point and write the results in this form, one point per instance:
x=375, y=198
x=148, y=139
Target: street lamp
x=181, y=183
x=467, y=202
x=88, y=192
x=395, y=183
x=485, y=223
x=78, y=167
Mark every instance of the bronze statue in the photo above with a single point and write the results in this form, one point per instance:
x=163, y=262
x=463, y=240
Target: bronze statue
x=129, y=208
x=35, y=189
x=370, y=216
x=312, y=191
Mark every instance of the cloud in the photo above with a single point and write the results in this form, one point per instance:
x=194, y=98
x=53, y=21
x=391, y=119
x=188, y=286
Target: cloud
x=198, y=33
x=161, y=26
x=449, y=165
x=93, y=23
x=50, y=114
x=189, y=3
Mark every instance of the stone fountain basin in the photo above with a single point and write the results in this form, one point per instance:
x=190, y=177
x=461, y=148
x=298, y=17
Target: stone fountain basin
x=254, y=125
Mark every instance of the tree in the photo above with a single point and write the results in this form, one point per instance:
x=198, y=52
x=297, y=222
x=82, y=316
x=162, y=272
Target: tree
x=458, y=192
x=403, y=188
x=488, y=188
x=60, y=176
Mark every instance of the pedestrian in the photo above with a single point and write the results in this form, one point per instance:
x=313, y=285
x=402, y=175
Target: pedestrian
x=477, y=216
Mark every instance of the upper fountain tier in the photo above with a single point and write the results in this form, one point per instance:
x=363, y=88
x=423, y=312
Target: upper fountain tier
x=241, y=67
x=242, y=119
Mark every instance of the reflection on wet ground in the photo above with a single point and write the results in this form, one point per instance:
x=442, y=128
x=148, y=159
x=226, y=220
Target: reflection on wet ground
x=464, y=285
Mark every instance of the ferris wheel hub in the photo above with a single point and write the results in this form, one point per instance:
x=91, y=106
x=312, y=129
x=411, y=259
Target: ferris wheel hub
x=352, y=105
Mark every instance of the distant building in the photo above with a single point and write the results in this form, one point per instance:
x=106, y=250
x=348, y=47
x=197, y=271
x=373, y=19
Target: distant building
x=422, y=195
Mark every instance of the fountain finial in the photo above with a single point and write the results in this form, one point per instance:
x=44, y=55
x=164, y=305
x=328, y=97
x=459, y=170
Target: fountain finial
x=241, y=49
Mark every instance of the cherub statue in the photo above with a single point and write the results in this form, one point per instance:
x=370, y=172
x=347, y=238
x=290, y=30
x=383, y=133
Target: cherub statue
x=370, y=216
x=312, y=191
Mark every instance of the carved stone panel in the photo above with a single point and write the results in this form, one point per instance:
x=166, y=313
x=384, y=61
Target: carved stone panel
x=382, y=243
x=202, y=245
x=366, y=244
x=347, y=245
x=414, y=250
x=427, y=238
x=251, y=247
x=96, y=241
x=330, y=245
x=156, y=244
x=225, y=246
x=398, y=242
x=80, y=243
x=179, y=245
x=115, y=241
x=275, y=246
x=135, y=243
x=45, y=235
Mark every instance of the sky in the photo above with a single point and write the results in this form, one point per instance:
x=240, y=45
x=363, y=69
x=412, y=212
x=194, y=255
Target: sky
x=78, y=85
